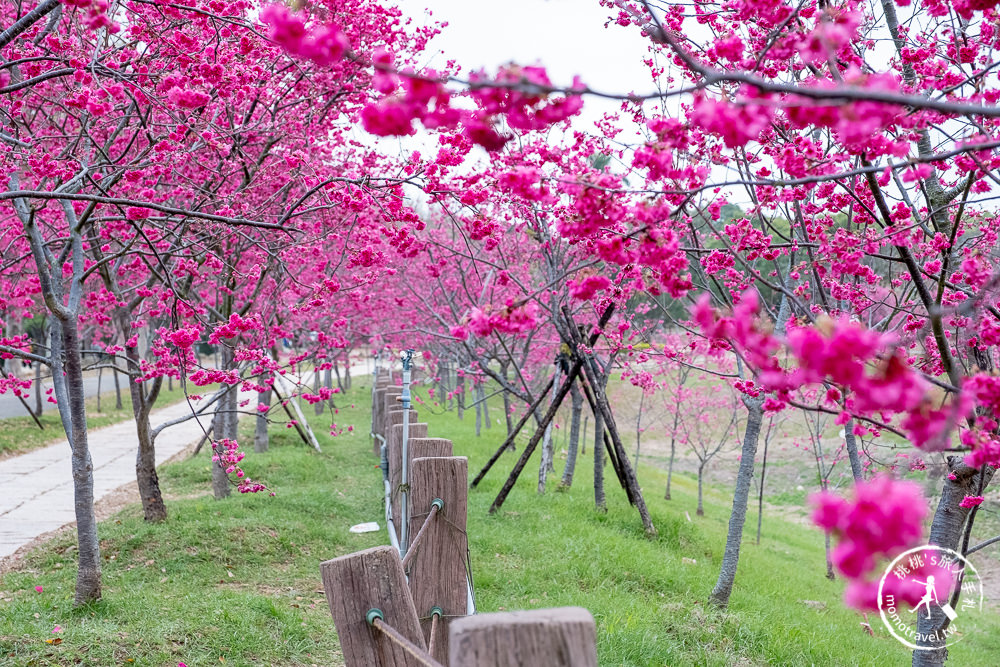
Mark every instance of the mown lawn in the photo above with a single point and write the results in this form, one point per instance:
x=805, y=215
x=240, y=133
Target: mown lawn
x=237, y=582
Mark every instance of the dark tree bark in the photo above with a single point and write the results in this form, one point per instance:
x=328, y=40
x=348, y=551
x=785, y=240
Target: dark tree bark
x=547, y=448
x=700, y=511
x=760, y=498
x=574, y=436
x=118, y=389
x=67, y=372
x=508, y=444
x=485, y=403
x=507, y=406
x=226, y=425
x=731, y=556
x=261, y=439
x=946, y=531
x=336, y=370
x=479, y=410
x=38, y=389
x=638, y=427
x=851, y=442
x=318, y=382
x=829, y=560
x=143, y=397
x=599, y=500
x=597, y=379
x=153, y=507
x=88, y=576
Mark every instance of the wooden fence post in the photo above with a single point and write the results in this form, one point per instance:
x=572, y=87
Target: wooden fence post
x=395, y=455
x=388, y=403
x=562, y=637
x=359, y=582
x=378, y=406
x=437, y=564
x=421, y=448
x=395, y=417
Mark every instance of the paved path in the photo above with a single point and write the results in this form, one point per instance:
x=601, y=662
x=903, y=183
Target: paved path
x=36, y=489
x=11, y=407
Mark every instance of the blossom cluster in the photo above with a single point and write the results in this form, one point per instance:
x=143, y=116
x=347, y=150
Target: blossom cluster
x=323, y=44
x=226, y=452
x=882, y=519
x=517, y=94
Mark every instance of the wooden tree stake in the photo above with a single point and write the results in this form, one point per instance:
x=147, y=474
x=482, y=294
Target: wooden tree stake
x=395, y=456
x=563, y=637
x=358, y=583
x=438, y=577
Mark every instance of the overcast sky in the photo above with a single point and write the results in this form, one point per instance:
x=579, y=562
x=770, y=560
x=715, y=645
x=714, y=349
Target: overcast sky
x=567, y=37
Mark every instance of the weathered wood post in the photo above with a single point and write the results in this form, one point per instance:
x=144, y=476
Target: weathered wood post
x=356, y=585
x=395, y=455
x=378, y=407
x=436, y=558
x=390, y=400
x=562, y=637
x=421, y=448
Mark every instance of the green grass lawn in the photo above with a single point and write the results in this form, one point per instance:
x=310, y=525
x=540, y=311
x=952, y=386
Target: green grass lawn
x=21, y=434
x=237, y=582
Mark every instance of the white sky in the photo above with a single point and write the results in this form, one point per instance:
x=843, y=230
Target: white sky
x=567, y=37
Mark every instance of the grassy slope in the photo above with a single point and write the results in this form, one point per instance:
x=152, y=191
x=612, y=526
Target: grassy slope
x=648, y=602
x=238, y=580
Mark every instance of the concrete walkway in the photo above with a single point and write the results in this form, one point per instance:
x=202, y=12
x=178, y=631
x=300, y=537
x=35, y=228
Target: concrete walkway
x=36, y=489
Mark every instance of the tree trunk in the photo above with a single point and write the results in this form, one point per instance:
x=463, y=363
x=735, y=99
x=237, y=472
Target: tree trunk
x=328, y=383
x=100, y=372
x=851, y=442
x=638, y=428
x=318, y=382
x=460, y=395
x=760, y=498
x=260, y=438
x=946, y=531
x=673, y=436
x=336, y=369
x=599, y=500
x=507, y=406
x=88, y=576
x=670, y=466
x=118, y=389
x=574, y=436
x=347, y=373
x=38, y=388
x=153, y=508
x=701, y=509
x=546, y=463
x=226, y=424
x=486, y=406
x=829, y=559
x=479, y=410
x=731, y=557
